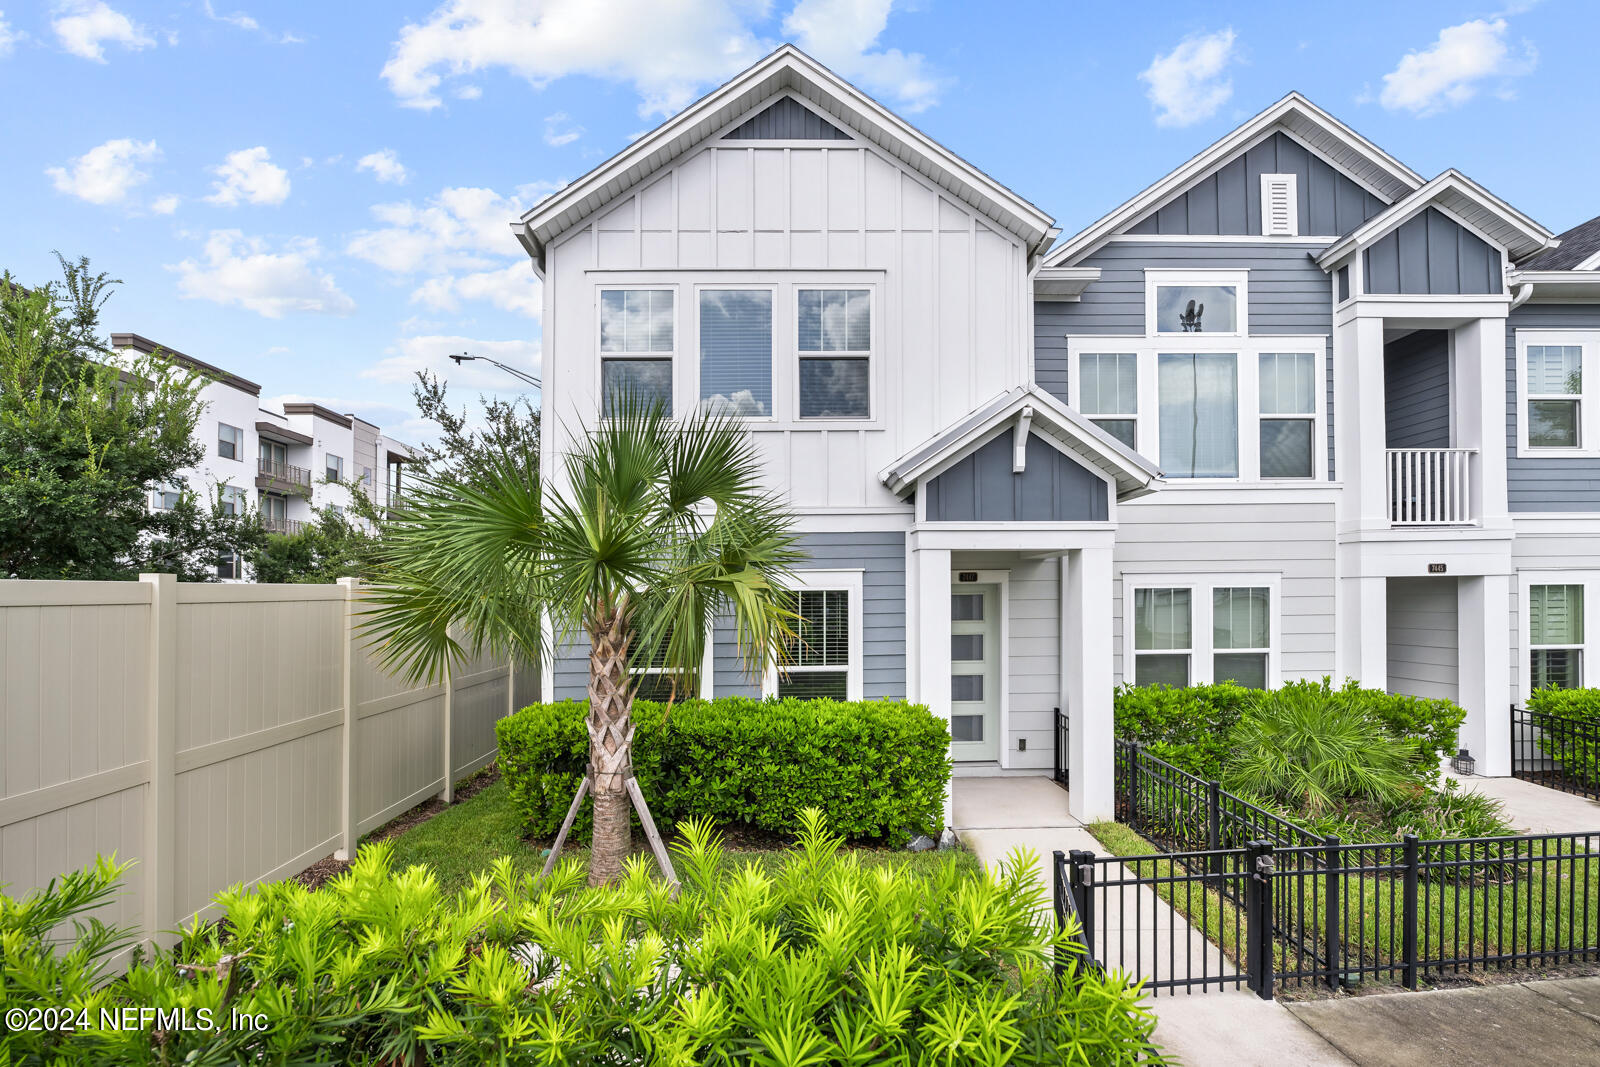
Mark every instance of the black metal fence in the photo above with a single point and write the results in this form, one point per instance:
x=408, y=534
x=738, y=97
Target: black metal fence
x=1063, y=734
x=1239, y=896
x=1556, y=751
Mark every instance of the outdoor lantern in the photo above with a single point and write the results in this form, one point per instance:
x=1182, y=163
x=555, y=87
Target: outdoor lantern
x=1463, y=762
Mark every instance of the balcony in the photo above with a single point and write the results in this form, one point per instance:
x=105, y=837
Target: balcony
x=283, y=526
x=282, y=478
x=1430, y=486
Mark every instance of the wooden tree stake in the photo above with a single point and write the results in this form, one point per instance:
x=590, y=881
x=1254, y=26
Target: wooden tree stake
x=636, y=795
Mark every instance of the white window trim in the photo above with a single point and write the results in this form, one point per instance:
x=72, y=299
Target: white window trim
x=1201, y=652
x=1248, y=351
x=1526, y=580
x=1588, y=402
x=870, y=355
x=600, y=355
x=1240, y=279
x=849, y=580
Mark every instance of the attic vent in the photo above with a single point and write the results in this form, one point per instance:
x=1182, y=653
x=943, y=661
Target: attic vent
x=786, y=120
x=1279, y=211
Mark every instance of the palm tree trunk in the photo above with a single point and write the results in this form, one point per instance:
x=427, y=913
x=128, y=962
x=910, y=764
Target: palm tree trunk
x=610, y=745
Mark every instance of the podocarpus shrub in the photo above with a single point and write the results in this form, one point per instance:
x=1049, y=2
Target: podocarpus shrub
x=1190, y=727
x=822, y=961
x=1577, y=750
x=877, y=767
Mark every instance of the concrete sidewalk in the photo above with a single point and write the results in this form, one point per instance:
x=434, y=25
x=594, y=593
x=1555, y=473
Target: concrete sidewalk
x=1536, y=809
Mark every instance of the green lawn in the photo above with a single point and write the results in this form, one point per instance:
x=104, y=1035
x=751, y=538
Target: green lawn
x=467, y=837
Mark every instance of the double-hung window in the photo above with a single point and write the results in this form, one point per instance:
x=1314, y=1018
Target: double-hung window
x=736, y=352
x=1288, y=414
x=1108, y=392
x=1193, y=631
x=230, y=441
x=229, y=566
x=835, y=340
x=334, y=468
x=823, y=658
x=1553, y=387
x=638, y=338
x=1555, y=636
x=167, y=499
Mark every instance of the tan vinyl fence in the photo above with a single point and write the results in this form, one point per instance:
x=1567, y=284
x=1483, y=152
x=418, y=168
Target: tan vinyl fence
x=216, y=734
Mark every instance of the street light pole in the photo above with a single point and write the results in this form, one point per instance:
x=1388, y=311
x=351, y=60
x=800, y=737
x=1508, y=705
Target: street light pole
x=461, y=357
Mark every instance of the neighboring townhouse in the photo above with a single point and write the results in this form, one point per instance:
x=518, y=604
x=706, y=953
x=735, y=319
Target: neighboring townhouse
x=281, y=463
x=1291, y=411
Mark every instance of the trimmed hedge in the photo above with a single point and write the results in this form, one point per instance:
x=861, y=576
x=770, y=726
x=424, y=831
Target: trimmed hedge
x=877, y=767
x=1192, y=727
x=1578, y=756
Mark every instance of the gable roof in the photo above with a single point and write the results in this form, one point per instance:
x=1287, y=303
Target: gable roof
x=1464, y=198
x=1052, y=420
x=1354, y=154
x=787, y=68
x=1579, y=249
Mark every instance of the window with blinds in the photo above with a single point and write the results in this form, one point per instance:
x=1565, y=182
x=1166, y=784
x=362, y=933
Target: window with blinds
x=819, y=653
x=1555, y=396
x=1241, y=635
x=1108, y=386
x=1555, y=636
x=835, y=338
x=736, y=352
x=1280, y=209
x=1163, y=636
x=1198, y=414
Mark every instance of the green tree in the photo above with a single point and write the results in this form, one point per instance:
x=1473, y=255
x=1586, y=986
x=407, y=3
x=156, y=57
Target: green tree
x=509, y=428
x=326, y=549
x=660, y=527
x=87, y=436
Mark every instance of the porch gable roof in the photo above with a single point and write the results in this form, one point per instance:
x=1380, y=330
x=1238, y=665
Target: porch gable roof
x=1131, y=474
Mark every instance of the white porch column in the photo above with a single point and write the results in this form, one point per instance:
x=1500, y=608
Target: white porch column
x=1483, y=614
x=1360, y=422
x=1087, y=680
x=1479, y=384
x=931, y=618
x=1362, y=626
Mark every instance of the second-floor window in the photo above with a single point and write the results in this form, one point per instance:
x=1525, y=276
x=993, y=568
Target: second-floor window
x=1288, y=382
x=835, y=333
x=274, y=508
x=1198, y=421
x=638, y=338
x=736, y=352
x=274, y=457
x=335, y=468
x=1555, y=396
x=1108, y=392
x=230, y=441
x=232, y=500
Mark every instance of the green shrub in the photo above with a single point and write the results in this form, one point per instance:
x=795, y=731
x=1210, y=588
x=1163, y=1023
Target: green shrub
x=1190, y=727
x=1577, y=751
x=824, y=961
x=1316, y=752
x=877, y=767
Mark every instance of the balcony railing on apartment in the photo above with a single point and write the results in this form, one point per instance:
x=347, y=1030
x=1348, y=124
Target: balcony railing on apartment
x=1430, y=486
x=283, y=526
x=286, y=473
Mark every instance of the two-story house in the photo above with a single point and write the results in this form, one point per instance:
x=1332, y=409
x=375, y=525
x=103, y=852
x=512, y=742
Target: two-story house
x=1291, y=411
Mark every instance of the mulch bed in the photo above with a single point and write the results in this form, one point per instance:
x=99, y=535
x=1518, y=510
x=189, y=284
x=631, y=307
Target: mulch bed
x=324, y=870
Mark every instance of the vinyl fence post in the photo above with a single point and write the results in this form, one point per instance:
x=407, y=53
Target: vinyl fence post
x=1333, y=939
x=1412, y=863
x=1258, y=918
x=447, y=794
x=347, y=730
x=160, y=804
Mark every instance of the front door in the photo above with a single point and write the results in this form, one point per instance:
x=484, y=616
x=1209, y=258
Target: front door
x=975, y=672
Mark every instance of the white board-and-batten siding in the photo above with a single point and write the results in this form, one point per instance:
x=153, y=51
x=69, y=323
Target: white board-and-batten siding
x=951, y=311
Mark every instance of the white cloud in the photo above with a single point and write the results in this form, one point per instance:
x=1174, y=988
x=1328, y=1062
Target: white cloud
x=461, y=228
x=842, y=34
x=666, y=51
x=105, y=173
x=385, y=165
x=238, y=18
x=249, y=176
x=8, y=36
x=84, y=27
x=559, y=130
x=165, y=205
x=1187, y=84
x=242, y=271
x=514, y=288
x=469, y=92
x=1447, y=73
x=431, y=352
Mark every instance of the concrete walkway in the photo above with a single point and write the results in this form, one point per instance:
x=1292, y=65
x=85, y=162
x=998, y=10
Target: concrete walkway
x=1536, y=809
x=995, y=815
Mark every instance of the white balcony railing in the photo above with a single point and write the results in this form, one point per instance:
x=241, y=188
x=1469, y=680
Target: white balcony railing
x=1430, y=486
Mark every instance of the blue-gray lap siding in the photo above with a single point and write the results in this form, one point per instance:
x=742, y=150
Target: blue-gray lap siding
x=882, y=557
x=1229, y=201
x=1431, y=253
x=982, y=487
x=1547, y=484
x=1416, y=384
x=1288, y=294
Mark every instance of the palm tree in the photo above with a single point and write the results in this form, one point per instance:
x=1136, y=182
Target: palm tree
x=660, y=527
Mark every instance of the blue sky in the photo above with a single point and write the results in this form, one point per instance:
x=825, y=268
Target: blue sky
x=315, y=196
